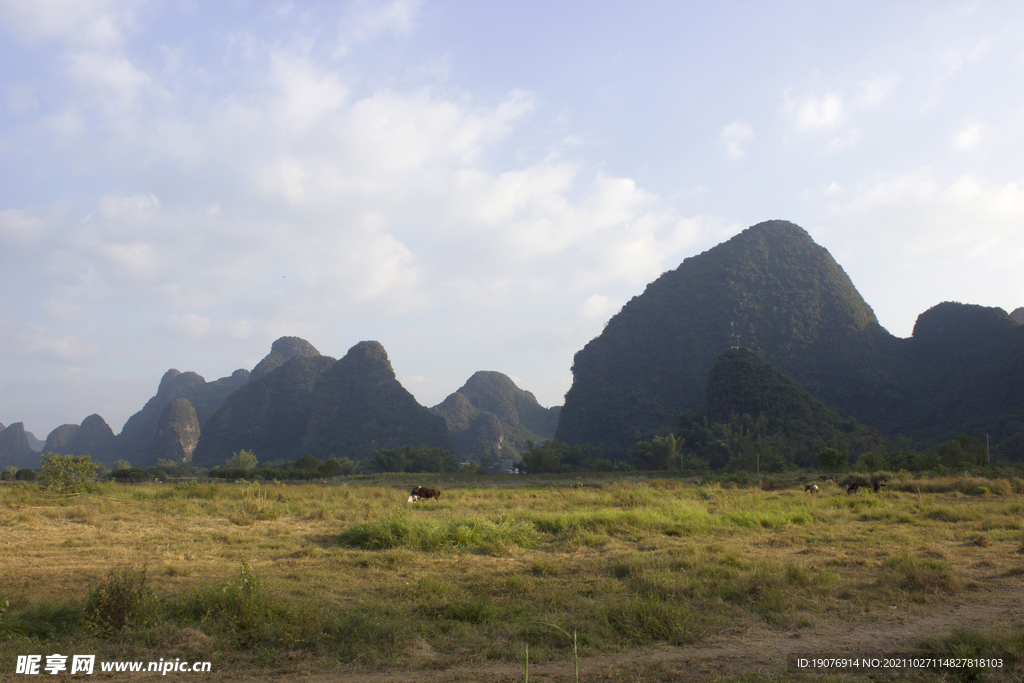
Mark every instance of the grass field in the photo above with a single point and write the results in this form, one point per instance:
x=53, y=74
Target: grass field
x=349, y=576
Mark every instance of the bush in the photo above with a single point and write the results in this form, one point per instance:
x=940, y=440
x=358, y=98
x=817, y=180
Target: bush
x=119, y=601
x=132, y=474
x=67, y=473
x=243, y=459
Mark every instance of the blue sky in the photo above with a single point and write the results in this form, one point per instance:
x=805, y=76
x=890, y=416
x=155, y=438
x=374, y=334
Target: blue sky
x=478, y=186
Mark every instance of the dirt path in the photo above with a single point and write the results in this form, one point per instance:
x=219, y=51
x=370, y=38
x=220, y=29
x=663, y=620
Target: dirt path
x=732, y=651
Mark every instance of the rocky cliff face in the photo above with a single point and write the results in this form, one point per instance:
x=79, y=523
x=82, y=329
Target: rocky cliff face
x=139, y=432
x=177, y=433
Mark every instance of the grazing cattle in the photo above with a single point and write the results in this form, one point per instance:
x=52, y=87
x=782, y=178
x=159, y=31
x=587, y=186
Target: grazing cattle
x=423, y=492
x=876, y=485
x=852, y=488
x=811, y=488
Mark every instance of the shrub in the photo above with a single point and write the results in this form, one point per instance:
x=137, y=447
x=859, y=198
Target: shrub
x=132, y=474
x=243, y=459
x=25, y=474
x=119, y=601
x=67, y=473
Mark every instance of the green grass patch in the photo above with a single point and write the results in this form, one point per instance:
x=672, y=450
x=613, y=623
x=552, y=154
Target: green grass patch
x=401, y=531
x=909, y=573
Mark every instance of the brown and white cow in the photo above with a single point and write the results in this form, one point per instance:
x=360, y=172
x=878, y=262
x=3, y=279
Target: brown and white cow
x=423, y=492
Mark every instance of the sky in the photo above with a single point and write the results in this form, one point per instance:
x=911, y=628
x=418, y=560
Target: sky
x=476, y=185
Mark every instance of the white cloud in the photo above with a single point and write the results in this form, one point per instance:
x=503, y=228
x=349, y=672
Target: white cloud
x=306, y=93
x=37, y=342
x=187, y=325
x=97, y=23
x=943, y=217
x=20, y=226
x=813, y=112
x=871, y=92
x=112, y=79
x=968, y=137
x=366, y=20
x=599, y=307
x=735, y=136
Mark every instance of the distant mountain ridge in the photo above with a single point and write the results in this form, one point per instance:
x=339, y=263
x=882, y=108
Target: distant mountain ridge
x=315, y=405
x=140, y=431
x=490, y=415
x=267, y=416
x=359, y=406
x=770, y=290
x=297, y=402
x=14, y=448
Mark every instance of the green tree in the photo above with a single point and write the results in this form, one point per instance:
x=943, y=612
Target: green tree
x=122, y=465
x=557, y=456
x=8, y=473
x=961, y=453
x=331, y=467
x=473, y=467
x=832, y=460
x=131, y=474
x=307, y=462
x=409, y=459
x=243, y=459
x=66, y=473
x=546, y=457
x=660, y=453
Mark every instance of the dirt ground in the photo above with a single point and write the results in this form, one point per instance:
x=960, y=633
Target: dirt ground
x=730, y=652
x=733, y=651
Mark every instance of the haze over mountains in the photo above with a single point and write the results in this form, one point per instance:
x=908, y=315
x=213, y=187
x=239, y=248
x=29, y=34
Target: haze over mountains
x=807, y=334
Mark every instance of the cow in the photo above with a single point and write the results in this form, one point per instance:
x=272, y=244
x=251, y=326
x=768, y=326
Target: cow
x=877, y=484
x=423, y=492
x=811, y=488
x=852, y=488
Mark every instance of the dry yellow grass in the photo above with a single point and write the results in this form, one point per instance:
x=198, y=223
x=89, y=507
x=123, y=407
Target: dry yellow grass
x=622, y=563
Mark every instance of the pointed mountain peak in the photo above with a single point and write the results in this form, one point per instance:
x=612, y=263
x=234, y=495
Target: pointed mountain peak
x=282, y=351
x=166, y=380
x=367, y=356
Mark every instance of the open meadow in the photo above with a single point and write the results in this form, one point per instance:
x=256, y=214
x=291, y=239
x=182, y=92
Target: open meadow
x=513, y=576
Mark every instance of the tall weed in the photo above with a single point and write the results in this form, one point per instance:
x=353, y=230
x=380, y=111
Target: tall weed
x=120, y=601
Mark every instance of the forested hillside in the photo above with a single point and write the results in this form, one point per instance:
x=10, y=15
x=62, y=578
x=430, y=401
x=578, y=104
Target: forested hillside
x=773, y=290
